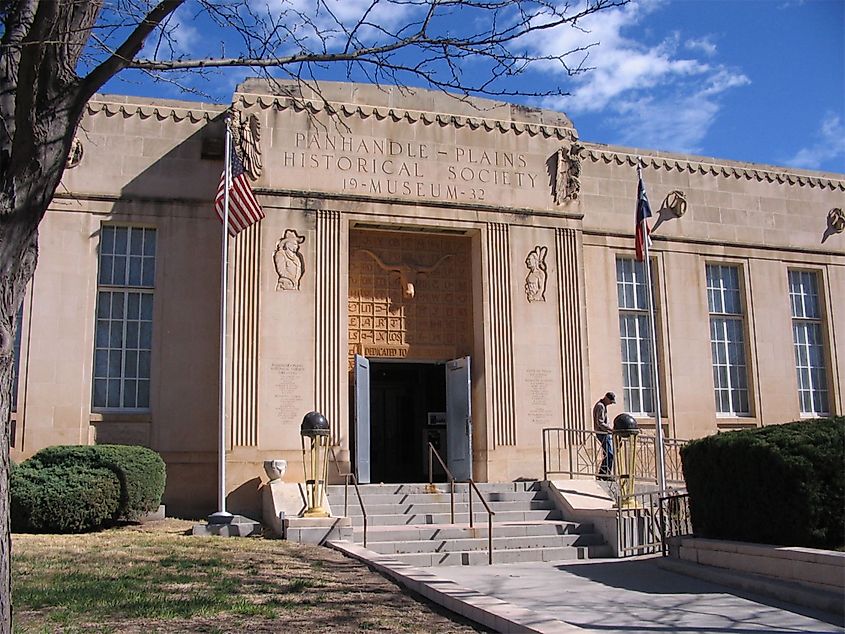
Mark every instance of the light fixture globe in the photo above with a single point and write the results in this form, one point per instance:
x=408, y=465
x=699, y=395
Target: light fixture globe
x=314, y=424
x=625, y=425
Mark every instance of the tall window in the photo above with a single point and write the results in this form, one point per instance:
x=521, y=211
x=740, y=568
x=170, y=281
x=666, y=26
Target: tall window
x=123, y=337
x=809, y=343
x=635, y=334
x=727, y=340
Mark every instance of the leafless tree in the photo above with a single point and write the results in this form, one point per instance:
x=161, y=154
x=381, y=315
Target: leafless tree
x=55, y=54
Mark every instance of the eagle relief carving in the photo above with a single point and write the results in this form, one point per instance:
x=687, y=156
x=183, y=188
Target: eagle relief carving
x=568, y=174
x=246, y=131
x=290, y=266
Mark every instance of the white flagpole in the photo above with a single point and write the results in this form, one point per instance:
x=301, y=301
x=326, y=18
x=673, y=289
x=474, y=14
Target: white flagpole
x=659, y=450
x=221, y=457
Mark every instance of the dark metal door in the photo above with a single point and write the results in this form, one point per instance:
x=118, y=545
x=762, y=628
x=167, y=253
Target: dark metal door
x=459, y=419
x=362, y=419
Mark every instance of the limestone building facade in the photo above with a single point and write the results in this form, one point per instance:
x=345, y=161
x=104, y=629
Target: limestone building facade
x=428, y=270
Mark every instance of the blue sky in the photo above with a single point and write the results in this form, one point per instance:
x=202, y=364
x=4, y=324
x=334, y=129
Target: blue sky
x=748, y=80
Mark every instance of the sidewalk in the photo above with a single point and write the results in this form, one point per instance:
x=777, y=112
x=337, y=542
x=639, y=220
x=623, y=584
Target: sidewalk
x=608, y=596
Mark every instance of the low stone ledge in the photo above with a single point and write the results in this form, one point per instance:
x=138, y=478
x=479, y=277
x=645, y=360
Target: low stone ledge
x=820, y=569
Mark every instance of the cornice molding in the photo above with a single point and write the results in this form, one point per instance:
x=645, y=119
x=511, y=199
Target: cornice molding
x=313, y=106
x=161, y=112
x=694, y=165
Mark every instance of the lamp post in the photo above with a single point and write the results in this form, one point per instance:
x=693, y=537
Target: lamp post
x=625, y=432
x=315, y=428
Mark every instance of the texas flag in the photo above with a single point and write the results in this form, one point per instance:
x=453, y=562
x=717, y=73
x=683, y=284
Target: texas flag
x=643, y=214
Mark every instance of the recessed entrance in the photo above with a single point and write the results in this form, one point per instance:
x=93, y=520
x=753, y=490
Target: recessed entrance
x=407, y=411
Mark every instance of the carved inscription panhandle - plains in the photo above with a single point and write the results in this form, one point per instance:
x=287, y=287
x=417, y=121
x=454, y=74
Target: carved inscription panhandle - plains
x=379, y=166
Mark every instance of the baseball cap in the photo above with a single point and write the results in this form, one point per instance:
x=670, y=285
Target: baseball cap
x=610, y=396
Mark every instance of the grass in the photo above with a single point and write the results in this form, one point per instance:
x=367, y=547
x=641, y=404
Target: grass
x=154, y=578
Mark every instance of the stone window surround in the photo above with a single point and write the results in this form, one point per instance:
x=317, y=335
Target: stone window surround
x=723, y=316
x=821, y=322
x=141, y=288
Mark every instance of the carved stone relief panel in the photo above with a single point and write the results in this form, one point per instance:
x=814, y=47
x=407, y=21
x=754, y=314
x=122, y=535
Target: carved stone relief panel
x=246, y=131
x=568, y=174
x=289, y=263
x=535, y=281
x=409, y=295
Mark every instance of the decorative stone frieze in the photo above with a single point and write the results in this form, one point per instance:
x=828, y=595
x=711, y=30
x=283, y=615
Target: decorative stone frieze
x=74, y=157
x=246, y=130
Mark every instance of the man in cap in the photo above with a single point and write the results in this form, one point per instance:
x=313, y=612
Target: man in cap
x=604, y=434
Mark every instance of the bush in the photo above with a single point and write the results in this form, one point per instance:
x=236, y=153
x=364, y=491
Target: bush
x=140, y=472
x=782, y=484
x=62, y=498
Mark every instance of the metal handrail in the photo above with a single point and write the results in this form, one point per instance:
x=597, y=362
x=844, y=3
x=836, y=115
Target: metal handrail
x=347, y=476
x=432, y=452
x=490, y=514
x=573, y=452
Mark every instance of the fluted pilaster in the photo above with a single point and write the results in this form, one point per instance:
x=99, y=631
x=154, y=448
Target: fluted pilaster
x=246, y=263
x=570, y=302
x=330, y=357
x=501, y=415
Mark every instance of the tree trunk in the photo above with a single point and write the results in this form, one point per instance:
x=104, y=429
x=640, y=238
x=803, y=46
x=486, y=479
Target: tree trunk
x=18, y=256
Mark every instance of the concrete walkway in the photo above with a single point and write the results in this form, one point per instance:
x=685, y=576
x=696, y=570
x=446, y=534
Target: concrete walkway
x=609, y=596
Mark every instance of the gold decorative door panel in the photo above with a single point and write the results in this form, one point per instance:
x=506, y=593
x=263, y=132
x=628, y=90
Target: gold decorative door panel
x=410, y=295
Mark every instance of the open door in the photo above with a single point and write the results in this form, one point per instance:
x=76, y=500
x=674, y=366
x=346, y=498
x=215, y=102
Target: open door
x=362, y=419
x=458, y=419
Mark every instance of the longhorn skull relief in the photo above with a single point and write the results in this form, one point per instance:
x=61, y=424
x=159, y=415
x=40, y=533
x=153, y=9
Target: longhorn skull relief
x=408, y=273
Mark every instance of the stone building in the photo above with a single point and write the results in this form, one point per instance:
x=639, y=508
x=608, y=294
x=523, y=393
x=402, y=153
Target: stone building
x=471, y=263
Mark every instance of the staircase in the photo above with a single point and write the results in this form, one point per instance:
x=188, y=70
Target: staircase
x=413, y=525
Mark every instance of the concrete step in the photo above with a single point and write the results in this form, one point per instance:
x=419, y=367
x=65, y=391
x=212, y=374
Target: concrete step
x=415, y=488
x=441, y=497
x=479, y=517
x=442, y=508
x=480, y=543
x=480, y=557
x=460, y=531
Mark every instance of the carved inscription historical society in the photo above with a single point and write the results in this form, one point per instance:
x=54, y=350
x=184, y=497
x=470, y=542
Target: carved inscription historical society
x=379, y=166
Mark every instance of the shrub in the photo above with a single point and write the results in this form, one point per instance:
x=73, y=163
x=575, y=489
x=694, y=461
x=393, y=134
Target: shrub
x=140, y=472
x=782, y=484
x=62, y=498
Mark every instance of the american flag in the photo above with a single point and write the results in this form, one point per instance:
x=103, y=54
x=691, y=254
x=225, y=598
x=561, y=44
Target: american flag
x=643, y=213
x=244, y=209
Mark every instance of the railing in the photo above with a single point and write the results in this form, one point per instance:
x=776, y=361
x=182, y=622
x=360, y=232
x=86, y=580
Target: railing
x=646, y=521
x=674, y=517
x=576, y=452
x=432, y=453
x=347, y=476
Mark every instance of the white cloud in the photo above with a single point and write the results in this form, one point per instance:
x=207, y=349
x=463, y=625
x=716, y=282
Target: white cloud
x=828, y=146
x=655, y=95
x=702, y=44
x=179, y=38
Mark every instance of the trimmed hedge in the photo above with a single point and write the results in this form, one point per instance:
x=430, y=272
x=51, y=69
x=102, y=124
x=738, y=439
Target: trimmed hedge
x=782, y=484
x=62, y=498
x=140, y=472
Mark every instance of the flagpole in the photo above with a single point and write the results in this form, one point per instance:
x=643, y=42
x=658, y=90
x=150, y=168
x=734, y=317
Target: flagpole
x=659, y=450
x=224, y=278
